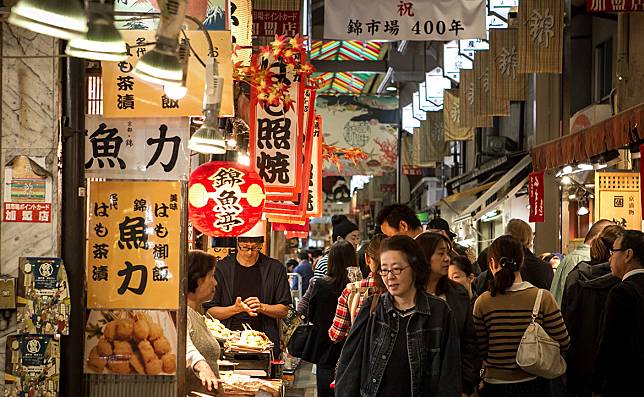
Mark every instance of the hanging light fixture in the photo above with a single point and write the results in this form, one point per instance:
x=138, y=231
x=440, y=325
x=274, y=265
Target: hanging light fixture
x=583, y=210
x=178, y=92
x=64, y=19
x=102, y=41
x=161, y=65
x=209, y=138
x=243, y=158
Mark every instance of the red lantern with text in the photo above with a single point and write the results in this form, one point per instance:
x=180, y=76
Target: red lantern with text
x=225, y=199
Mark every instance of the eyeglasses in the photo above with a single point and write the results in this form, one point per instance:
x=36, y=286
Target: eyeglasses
x=395, y=271
x=249, y=247
x=613, y=250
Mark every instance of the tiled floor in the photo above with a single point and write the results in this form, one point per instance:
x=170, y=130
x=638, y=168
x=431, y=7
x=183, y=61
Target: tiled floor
x=304, y=384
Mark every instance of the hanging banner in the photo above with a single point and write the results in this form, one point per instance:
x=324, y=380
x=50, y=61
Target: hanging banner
x=273, y=144
x=131, y=342
x=27, y=191
x=483, y=88
x=452, y=118
x=314, y=203
x=32, y=365
x=642, y=179
x=507, y=83
x=133, y=245
x=42, y=299
x=126, y=96
x=536, y=197
x=541, y=24
x=614, y=6
x=137, y=148
x=431, y=138
x=225, y=198
x=466, y=94
x=241, y=27
x=441, y=20
x=618, y=198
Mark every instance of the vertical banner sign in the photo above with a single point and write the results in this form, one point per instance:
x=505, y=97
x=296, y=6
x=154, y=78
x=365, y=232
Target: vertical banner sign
x=535, y=197
x=452, y=118
x=642, y=179
x=133, y=245
x=618, y=198
x=241, y=27
x=126, y=96
x=507, y=83
x=314, y=204
x=441, y=20
x=226, y=199
x=274, y=148
x=467, y=92
x=541, y=24
x=137, y=148
x=430, y=137
x=483, y=93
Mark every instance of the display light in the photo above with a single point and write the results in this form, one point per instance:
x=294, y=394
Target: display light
x=102, y=41
x=209, y=138
x=162, y=65
x=566, y=180
x=567, y=169
x=243, y=158
x=583, y=210
x=585, y=167
x=64, y=19
x=178, y=92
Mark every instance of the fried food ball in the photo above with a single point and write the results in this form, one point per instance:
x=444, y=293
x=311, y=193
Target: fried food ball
x=137, y=364
x=147, y=351
x=119, y=366
x=95, y=362
x=123, y=349
x=141, y=329
x=162, y=346
x=153, y=367
x=155, y=331
x=124, y=329
x=110, y=330
x=169, y=363
x=104, y=348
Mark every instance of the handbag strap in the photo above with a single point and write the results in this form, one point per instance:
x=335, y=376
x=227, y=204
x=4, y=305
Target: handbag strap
x=537, y=305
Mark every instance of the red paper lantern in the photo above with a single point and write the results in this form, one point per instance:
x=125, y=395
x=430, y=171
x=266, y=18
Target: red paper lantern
x=225, y=199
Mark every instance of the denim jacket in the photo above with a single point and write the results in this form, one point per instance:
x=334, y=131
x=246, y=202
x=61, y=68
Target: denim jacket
x=432, y=344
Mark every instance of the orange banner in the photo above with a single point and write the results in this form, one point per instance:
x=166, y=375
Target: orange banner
x=133, y=245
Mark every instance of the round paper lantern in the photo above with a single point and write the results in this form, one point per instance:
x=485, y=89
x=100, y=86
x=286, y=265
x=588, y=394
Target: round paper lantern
x=225, y=199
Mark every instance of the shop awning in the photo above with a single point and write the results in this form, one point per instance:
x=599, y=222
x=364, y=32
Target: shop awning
x=473, y=209
x=496, y=203
x=616, y=132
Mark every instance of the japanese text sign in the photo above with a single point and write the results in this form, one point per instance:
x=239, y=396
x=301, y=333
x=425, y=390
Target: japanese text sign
x=137, y=148
x=535, y=197
x=314, y=204
x=226, y=199
x=126, y=96
x=133, y=245
x=27, y=191
x=441, y=20
x=268, y=23
x=617, y=198
x=614, y=5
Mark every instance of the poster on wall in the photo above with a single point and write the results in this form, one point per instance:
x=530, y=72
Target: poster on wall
x=618, y=198
x=32, y=365
x=133, y=245
x=43, y=300
x=27, y=190
x=212, y=13
x=131, y=342
x=137, y=148
x=366, y=122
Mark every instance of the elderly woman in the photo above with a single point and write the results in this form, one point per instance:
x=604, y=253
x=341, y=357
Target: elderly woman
x=202, y=349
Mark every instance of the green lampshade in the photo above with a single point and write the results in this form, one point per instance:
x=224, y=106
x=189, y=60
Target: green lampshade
x=64, y=19
x=102, y=42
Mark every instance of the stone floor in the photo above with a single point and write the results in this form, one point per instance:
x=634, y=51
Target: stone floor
x=304, y=383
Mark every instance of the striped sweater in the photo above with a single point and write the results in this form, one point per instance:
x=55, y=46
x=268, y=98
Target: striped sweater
x=500, y=322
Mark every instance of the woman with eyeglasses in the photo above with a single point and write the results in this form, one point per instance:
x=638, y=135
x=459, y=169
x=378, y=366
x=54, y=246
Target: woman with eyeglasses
x=403, y=342
x=436, y=249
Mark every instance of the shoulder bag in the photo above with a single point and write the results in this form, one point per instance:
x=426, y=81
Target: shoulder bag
x=538, y=353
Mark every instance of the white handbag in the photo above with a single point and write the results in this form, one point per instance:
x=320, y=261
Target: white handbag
x=538, y=353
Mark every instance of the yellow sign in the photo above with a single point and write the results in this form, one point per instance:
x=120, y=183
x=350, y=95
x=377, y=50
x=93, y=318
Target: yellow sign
x=133, y=245
x=618, y=199
x=126, y=96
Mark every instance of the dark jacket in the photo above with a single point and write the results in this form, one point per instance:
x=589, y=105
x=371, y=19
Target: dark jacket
x=319, y=348
x=275, y=290
x=535, y=271
x=459, y=301
x=583, y=309
x=432, y=340
x=619, y=364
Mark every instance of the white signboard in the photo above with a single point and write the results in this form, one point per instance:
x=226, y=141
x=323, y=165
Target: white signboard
x=408, y=120
x=435, y=83
x=426, y=104
x=419, y=114
x=137, y=148
x=420, y=20
x=453, y=61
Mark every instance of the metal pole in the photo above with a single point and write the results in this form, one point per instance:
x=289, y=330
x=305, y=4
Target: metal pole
x=399, y=148
x=73, y=222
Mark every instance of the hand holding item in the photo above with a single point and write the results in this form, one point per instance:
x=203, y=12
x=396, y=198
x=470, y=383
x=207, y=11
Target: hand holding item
x=208, y=378
x=243, y=307
x=253, y=303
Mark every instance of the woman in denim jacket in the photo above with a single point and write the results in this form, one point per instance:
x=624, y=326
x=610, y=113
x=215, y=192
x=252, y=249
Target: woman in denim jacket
x=404, y=342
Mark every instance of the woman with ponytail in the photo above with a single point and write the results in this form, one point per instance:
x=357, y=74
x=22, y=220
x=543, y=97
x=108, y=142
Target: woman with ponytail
x=502, y=315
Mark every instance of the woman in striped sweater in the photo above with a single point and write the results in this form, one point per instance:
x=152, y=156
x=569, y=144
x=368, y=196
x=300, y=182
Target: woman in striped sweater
x=502, y=315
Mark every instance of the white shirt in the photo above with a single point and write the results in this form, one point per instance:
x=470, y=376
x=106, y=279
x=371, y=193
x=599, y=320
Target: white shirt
x=632, y=273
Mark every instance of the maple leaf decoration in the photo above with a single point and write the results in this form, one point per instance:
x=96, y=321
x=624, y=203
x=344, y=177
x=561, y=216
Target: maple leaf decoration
x=332, y=154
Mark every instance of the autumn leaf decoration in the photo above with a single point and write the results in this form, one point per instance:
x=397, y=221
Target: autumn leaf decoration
x=333, y=154
x=285, y=53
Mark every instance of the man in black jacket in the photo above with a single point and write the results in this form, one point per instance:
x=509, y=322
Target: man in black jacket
x=251, y=289
x=620, y=359
x=535, y=271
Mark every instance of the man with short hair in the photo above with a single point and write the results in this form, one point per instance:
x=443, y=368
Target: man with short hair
x=399, y=219
x=572, y=260
x=251, y=289
x=535, y=271
x=304, y=269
